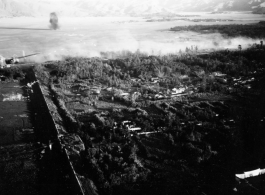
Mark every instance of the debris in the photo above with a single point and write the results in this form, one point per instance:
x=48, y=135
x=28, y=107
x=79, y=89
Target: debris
x=72, y=142
x=13, y=97
x=23, y=116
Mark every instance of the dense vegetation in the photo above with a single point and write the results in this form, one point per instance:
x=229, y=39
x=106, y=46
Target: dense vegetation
x=196, y=136
x=235, y=30
x=12, y=73
x=172, y=68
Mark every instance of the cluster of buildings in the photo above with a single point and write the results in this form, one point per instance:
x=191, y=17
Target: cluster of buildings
x=168, y=94
x=84, y=88
x=155, y=94
x=128, y=126
x=243, y=82
x=220, y=77
x=13, y=97
x=131, y=127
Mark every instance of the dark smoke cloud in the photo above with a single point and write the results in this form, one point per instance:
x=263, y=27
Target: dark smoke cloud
x=54, y=21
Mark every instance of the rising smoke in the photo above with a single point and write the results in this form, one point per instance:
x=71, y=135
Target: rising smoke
x=87, y=37
x=54, y=21
x=114, y=45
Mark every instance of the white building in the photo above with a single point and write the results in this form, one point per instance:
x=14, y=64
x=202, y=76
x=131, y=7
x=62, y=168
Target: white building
x=218, y=74
x=177, y=91
x=253, y=173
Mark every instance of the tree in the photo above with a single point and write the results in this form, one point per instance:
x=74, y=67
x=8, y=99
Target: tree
x=167, y=70
x=196, y=48
x=180, y=52
x=159, y=72
x=204, y=82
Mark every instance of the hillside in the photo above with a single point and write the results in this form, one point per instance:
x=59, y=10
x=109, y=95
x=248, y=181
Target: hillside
x=16, y=8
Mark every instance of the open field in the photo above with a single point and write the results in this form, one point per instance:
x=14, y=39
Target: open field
x=90, y=36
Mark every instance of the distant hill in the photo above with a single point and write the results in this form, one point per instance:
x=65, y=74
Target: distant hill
x=35, y=8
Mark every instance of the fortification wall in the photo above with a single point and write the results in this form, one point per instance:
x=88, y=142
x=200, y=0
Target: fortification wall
x=61, y=137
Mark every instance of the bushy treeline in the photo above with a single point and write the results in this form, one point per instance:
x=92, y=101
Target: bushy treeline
x=172, y=69
x=12, y=73
x=70, y=122
x=231, y=30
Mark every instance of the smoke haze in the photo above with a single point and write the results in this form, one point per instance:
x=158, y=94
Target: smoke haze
x=89, y=37
x=159, y=44
x=54, y=21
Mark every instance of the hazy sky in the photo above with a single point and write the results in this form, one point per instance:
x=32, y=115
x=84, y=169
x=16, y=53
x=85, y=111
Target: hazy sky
x=88, y=36
x=81, y=8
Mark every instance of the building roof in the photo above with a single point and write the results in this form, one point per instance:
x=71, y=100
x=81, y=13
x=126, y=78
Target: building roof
x=252, y=173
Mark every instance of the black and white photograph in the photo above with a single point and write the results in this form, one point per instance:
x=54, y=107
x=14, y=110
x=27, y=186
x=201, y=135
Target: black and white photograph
x=132, y=97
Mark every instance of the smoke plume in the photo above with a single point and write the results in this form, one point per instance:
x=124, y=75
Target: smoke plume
x=91, y=37
x=54, y=21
